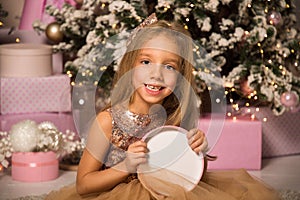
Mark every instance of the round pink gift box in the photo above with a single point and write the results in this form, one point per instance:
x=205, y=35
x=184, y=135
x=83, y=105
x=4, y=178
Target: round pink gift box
x=34, y=166
x=25, y=60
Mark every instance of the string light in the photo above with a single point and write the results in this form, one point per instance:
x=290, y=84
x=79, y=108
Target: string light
x=265, y=119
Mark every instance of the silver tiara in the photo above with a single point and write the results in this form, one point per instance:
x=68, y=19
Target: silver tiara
x=149, y=20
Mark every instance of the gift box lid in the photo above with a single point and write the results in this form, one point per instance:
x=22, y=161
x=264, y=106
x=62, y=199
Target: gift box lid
x=25, y=49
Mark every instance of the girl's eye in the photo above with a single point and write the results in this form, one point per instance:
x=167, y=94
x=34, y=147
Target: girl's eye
x=145, y=62
x=169, y=67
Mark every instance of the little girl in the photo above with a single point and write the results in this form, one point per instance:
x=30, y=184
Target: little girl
x=153, y=87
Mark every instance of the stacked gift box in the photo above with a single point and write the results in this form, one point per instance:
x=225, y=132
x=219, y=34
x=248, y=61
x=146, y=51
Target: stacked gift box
x=30, y=89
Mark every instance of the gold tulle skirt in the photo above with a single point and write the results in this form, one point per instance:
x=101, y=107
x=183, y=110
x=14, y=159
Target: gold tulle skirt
x=216, y=185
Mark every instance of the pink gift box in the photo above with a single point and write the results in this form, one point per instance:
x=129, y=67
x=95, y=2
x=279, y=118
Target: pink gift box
x=280, y=133
x=34, y=166
x=35, y=94
x=63, y=121
x=239, y=144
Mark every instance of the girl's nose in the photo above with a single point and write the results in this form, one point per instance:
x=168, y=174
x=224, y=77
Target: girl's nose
x=156, y=72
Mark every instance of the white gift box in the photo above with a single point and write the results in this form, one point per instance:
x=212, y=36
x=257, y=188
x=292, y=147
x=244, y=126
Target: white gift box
x=25, y=60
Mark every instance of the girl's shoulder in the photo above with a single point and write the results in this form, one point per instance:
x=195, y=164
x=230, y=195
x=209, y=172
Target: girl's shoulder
x=105, y=120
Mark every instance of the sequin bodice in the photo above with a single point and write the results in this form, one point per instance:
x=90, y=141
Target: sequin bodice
x=127, y=128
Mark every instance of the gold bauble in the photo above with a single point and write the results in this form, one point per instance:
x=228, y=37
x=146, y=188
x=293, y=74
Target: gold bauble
x=54, y=33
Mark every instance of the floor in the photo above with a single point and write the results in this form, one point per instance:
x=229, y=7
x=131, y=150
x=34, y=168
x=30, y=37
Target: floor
x=281, y=173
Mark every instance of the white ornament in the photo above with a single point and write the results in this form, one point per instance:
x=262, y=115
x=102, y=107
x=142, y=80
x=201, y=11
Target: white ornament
x=24, y=136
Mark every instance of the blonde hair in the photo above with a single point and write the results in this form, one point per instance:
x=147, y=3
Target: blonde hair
x=177, y=111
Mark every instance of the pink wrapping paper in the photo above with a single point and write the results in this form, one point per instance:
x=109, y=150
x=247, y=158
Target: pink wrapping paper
x=36, y=94
x=239, y=144
x=62, y=121
x=280, y=133
x=34, y=166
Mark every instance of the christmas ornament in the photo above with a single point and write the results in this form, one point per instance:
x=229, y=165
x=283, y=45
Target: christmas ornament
x=54, y=33
x=274, y=18
x=24, y=136
x=289, y=99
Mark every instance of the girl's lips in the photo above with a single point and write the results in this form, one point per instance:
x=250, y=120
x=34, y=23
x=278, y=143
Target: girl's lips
x=153, y=89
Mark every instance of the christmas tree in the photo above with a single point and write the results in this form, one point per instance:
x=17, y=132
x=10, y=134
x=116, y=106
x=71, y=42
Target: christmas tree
x=253, y=44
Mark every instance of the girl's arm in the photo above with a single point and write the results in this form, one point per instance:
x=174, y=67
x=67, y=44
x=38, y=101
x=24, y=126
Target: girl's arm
x=90, y=179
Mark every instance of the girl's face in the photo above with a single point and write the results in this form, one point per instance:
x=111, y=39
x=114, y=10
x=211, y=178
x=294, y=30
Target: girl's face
x=155, y=71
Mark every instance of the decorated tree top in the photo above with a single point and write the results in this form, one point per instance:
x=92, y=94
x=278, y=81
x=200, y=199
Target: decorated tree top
x=253, y=44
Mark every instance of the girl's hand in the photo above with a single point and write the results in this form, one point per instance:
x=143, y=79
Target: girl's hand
x=197, y=140
x=135, y=155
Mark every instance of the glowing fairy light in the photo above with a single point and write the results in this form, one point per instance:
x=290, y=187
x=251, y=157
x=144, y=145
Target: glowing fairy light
x=18, y=40
x=265, y=119
x=252, y=117
x=229, y=114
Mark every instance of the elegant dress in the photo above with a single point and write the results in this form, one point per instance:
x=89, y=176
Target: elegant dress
x=128, y=128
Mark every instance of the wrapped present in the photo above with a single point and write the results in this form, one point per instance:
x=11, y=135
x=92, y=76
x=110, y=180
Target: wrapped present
x=33, y=60
x=36, y=94
x=280, y=134
x=63, y=121
x=34, y=166
x=236, y=143
x=32, y=37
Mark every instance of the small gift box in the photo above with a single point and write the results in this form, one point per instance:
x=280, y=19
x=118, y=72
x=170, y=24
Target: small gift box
x=35, y=94
x=34, y=166
x=236, y=143
x=25, y=60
